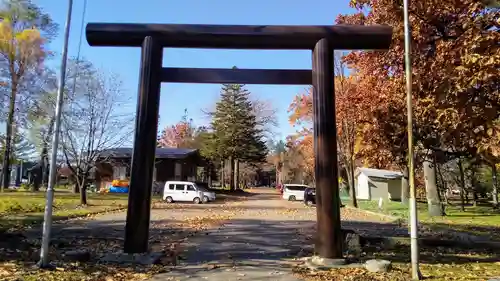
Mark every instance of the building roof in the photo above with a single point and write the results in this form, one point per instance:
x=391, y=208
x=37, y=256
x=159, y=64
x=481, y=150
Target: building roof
x=376, y=173
x=161, y=153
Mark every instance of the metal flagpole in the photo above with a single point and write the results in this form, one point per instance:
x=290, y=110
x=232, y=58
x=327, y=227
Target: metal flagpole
x=47, y=219
x=415, y=272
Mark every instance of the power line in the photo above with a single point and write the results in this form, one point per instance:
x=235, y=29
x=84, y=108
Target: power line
x=82, y=28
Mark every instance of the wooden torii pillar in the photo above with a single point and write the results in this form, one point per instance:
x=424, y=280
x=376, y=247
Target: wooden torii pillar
x=322, y=40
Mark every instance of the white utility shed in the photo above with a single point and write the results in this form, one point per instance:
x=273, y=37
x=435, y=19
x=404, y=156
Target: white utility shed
x=373, y=184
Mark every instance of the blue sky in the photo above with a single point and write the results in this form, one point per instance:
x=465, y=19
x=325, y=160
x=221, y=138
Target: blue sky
x=195, y=97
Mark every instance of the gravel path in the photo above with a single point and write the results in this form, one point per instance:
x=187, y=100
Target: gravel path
x=164, y=218
x=265, y=204
x=258, y=242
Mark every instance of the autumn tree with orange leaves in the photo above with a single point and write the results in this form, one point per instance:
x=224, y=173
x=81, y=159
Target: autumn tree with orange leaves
x=350, y=117
x=350, y=103
x=301, y=117
x=301, y=150
x=456, y=57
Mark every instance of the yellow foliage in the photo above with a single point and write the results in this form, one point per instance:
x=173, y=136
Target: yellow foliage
x=358, y=144
x=24, y=47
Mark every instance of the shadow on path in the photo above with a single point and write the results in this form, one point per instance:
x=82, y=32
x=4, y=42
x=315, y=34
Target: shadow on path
x=257, y=249
x=241, y=250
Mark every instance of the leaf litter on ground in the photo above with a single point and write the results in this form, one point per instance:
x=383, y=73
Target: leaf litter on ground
x=19, y=254
x=436, y=263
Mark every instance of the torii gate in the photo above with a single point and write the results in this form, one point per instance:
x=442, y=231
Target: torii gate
x=322, y=40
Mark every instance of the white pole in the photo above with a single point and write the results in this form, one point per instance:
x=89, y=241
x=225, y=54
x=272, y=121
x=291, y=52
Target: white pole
x=47, y=219
x=415, y=272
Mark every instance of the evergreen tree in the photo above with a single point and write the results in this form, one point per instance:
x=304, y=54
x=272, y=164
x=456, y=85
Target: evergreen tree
x=237, y=136
x=22, y=149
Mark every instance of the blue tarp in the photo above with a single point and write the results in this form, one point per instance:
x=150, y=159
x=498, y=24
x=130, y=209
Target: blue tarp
x=115, y=189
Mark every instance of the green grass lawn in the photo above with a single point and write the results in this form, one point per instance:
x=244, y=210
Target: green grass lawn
x=480, y=220
x=25, y=208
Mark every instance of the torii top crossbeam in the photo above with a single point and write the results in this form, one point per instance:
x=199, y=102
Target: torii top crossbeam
x=282, y=37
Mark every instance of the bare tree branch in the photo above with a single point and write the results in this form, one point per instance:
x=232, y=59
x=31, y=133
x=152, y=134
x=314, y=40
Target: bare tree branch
x=97, y=119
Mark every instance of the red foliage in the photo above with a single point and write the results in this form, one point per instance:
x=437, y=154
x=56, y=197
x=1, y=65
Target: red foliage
x=179, y=135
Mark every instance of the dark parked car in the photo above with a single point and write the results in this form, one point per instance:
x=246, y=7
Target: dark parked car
x=310, y=196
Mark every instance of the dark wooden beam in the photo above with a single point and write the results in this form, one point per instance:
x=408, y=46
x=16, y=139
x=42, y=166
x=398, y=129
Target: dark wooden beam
x=329, y=237
x=346, y=37
x=143, y=153
x=237, y=76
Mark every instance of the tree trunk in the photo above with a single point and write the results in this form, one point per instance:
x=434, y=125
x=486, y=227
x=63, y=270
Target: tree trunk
x=222, y=181
x=231, y=174
x=204, y=175
x=76, y=188
x=37, y=178
x=209, y=175
x=443, y=188
x=405, y=186
x=83, y=192
x=445, y=198
x=236, y=173
x=473, y=183
x=278, y=175
x=8, y=137
x=350, y=181
x=495, y=187
x=462, y=185
x=45, y=152
x=40, y=171
x=432, y=193
x=45, y=176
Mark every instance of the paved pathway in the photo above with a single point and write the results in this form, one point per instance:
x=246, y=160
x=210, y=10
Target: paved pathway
x=112, y=224
x=256, y=244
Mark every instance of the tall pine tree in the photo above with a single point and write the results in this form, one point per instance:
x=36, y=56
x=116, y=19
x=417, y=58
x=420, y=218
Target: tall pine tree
x=22, y=149
x=236, y=133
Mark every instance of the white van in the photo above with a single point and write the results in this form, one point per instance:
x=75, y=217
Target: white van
x=186, y=191
x=294, y=192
